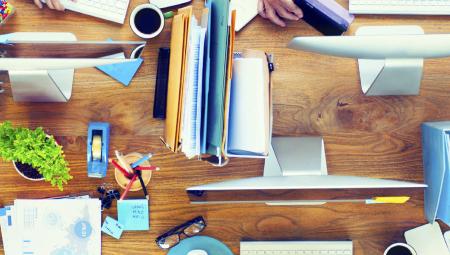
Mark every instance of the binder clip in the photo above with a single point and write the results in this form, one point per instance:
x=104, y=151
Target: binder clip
x=97, y=149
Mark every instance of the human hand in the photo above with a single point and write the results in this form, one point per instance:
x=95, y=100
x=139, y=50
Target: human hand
x=278, y=10
x=52, y=4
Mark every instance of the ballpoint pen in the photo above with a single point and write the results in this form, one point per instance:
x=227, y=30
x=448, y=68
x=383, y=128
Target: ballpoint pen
x=144, y=188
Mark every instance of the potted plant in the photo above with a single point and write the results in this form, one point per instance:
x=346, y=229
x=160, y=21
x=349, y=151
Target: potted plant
x=35, y=154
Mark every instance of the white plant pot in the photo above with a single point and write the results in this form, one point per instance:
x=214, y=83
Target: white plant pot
x=21, y=174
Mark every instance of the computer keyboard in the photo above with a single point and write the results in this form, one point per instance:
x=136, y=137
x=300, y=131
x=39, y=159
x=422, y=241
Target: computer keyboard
x=297, y=248
x=112, y=10
x=420, y=7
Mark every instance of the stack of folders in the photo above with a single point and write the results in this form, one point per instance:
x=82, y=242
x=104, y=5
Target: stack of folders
x=218, y=102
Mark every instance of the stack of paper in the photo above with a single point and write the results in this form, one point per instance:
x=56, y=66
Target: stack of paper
x=249, y=128
x=201, y=102
x=193, y=87
x=52, y=226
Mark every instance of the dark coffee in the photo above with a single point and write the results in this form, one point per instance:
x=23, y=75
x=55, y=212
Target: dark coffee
x=399, y=250
x=147, y=21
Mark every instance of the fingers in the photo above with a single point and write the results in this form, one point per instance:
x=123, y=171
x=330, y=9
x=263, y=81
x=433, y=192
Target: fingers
x=38, y=3
x=272, y=15
x=51, y=4
x=290, y=6
x=57, y=5
x=286, y=14
x=277, y=10
x=261, y=9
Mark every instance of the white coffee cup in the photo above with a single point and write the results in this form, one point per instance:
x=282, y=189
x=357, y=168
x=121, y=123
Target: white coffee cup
x=390, y=249
x=135, y=27
x=197, y=252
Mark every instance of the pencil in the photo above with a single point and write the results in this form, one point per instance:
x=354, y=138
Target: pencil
x=120, y=168
x=127, y=189
x=123, y=162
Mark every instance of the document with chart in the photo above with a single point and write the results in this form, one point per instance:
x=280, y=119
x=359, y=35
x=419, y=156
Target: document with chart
x=58, y=226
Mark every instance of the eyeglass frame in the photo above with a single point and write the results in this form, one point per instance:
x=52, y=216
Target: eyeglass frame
x=178, y=230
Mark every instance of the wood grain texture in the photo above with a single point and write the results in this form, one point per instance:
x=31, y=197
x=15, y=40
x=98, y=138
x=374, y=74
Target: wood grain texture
x=313, y=95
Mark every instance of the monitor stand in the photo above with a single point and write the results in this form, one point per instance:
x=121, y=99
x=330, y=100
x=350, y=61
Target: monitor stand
x=42, y=85
x=289, y=156
x=390, y=77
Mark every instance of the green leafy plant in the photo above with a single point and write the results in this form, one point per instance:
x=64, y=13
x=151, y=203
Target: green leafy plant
x=35, y=148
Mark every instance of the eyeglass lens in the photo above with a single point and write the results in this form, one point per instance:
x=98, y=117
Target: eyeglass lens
x=169, y=241
x=194, y=229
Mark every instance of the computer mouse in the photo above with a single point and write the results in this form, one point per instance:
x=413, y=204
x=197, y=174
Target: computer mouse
x=197, y=252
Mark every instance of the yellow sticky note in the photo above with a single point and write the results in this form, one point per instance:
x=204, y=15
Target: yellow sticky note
x=391, y=200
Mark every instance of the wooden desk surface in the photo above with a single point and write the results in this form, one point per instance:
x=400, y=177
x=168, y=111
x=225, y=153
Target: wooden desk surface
x=313, y=95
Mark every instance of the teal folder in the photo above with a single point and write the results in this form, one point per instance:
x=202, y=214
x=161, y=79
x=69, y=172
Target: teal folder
x=219, y=49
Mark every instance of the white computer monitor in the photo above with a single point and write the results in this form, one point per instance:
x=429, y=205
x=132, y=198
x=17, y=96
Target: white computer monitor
x=390, y=58
x=41, y=65
x=296, y=174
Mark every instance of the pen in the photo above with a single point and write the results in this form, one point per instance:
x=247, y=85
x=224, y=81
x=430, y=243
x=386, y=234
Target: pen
x=141, y=160
x=127, y=189
x=144, y=168
x=144, y=188
x=121, y=169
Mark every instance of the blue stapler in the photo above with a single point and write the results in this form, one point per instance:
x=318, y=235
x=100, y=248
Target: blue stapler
x=97, y=149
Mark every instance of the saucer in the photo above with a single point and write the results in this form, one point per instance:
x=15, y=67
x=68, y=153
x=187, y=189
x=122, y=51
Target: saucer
x=210, y=245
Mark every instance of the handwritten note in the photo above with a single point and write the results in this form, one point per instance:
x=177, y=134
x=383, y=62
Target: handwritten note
x=133, y=214
x=112, y=227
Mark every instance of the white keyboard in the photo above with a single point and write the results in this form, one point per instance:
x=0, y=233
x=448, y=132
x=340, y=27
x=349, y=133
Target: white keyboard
x=297, y=248
x=112, y=10
x=420, y=7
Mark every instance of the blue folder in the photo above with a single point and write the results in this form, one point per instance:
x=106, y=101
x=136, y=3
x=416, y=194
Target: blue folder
x=206, y=75
x=436, y=153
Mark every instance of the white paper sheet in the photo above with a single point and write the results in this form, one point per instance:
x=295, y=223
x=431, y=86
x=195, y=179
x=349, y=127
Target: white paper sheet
x=246, y=10
x=247, y=122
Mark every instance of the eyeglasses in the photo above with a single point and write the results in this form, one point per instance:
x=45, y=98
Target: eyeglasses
x=173, y=236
